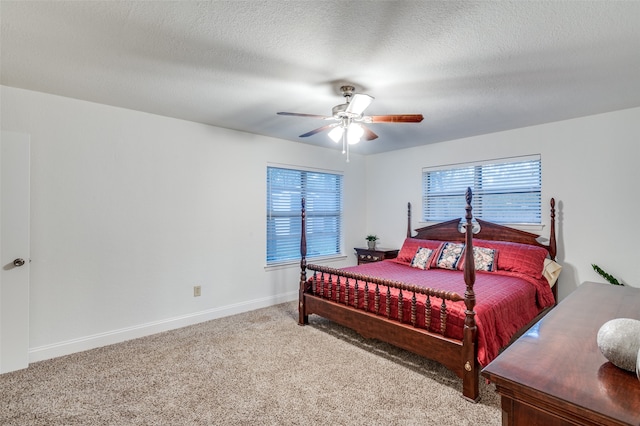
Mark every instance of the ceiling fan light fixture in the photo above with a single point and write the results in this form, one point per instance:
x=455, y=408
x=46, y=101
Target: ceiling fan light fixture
x=336, y=134
x=354, y=133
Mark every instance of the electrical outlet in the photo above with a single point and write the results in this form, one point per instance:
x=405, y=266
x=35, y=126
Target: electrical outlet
x=196, y=290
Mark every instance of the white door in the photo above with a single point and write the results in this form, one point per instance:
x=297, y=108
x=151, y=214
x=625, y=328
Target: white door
x=14, y=251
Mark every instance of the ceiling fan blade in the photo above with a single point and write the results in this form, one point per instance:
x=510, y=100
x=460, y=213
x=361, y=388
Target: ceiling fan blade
x=359, y=102
x=400, y=118
x=297, y=114
x=318, y=130
x=368, y=134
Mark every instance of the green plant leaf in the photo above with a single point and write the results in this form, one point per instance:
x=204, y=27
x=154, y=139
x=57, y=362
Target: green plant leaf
x=610, y=278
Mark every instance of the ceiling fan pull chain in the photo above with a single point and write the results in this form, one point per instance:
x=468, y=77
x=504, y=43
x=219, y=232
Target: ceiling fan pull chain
x=344, y=142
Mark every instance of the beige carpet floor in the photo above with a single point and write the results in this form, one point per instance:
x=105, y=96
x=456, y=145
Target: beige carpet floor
x=255, y=368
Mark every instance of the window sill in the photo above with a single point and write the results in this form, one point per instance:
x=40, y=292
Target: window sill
x=296, y=263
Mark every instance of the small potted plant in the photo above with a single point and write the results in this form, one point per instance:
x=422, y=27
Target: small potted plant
x=371, y=241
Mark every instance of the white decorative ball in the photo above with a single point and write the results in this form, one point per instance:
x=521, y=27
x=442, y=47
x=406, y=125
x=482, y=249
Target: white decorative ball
x=619, y=342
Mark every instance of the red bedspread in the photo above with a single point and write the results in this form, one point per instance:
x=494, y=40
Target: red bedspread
x=505, y=301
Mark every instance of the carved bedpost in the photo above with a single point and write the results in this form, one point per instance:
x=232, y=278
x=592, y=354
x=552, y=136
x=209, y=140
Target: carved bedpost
x=470, y=378
x=469, y=268
x=408, y=220
x=552, y=234
x=552, y=244
x=303, y=318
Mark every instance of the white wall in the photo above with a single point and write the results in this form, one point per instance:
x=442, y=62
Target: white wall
x=131, y=210
x=590, y=165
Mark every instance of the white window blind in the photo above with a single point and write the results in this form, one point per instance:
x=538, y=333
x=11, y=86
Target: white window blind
x=323, y=202
x=504, y=191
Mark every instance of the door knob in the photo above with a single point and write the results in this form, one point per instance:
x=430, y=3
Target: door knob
x=18, y=262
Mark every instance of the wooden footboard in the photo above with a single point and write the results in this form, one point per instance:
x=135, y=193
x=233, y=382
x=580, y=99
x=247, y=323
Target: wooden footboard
x=343, y=287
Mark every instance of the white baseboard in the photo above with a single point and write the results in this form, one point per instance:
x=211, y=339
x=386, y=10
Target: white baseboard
x=116, y=336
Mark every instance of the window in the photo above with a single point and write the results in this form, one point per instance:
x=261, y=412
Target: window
x=504, y=191
x=323, y=201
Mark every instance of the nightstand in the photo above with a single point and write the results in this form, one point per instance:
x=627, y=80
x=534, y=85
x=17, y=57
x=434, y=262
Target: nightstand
x=366, y=255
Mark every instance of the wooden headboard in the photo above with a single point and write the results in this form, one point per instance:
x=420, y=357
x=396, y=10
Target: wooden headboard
x=450, y=231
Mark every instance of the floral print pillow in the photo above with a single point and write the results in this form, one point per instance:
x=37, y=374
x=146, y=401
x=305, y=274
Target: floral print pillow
x=422, y=258
x=485, y=258
x=450, y=256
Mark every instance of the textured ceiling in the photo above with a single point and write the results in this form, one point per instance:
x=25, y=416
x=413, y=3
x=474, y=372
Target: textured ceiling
x=469, y=67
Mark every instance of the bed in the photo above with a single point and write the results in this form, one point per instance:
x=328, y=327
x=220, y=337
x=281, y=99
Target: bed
x=458, y=292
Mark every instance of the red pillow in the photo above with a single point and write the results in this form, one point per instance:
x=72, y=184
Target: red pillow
x=516, y=257
x=410, y=247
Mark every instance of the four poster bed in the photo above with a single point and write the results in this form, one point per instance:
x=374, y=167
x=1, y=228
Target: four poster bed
x=424, y=301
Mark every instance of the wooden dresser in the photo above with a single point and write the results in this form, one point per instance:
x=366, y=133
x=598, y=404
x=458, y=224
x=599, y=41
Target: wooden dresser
x=554, y=374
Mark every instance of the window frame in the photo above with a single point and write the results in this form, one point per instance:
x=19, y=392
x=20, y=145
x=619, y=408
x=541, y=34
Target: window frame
x=329, y=215
x=487, y=191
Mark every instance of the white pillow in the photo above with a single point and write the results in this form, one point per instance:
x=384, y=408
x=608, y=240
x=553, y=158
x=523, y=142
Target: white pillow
x=550, y=271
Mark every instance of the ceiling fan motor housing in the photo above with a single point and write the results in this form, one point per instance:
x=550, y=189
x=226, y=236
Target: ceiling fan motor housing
x=347, y=91
x=340, y=111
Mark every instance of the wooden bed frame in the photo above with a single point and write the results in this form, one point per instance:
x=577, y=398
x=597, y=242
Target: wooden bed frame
x=460, y=356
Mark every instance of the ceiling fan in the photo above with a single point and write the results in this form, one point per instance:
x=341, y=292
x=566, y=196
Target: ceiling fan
x=348, y=118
